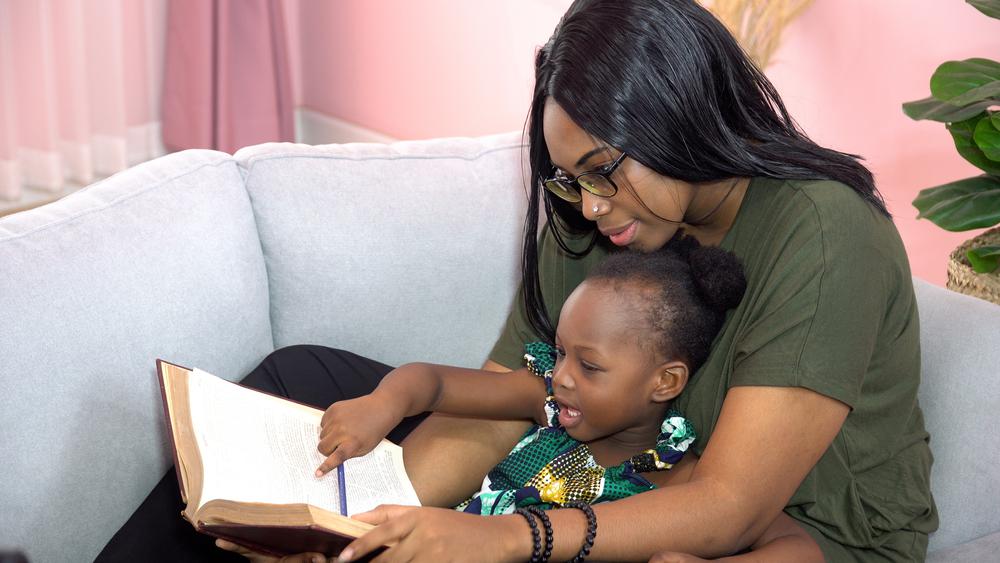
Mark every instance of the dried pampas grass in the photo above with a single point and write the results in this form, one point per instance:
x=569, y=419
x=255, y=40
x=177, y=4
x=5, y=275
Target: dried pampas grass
x=757, y=24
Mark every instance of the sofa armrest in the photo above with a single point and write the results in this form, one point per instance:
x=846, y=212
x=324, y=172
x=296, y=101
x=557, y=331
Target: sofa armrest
x=959, y=396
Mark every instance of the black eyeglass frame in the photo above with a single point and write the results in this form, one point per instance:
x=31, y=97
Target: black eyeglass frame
x=606, y=173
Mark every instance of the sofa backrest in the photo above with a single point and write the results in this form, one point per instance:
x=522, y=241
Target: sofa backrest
x=159, y=261
x=960, y=398
x=400, y=252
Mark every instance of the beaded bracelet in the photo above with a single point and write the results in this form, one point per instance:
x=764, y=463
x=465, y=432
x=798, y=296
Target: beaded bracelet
x=588, y=540
x=547, y=524
x=536, y=542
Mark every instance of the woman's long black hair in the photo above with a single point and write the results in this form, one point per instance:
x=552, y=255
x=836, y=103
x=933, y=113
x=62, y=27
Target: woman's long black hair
x=665, y=82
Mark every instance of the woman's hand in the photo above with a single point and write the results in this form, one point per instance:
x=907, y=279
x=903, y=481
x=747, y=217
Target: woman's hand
x=420, y=534
x=255, y=557
x=353, y=428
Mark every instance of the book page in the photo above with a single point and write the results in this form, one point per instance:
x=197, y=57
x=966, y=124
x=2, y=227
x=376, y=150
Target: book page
x=256, y=448
x=377, y=478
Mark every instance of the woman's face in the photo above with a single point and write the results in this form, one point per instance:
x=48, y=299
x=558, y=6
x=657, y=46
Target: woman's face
x=633, y=217
x=607, y=383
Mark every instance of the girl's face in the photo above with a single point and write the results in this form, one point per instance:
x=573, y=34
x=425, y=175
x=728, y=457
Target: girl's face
x=633, y=217
x=611, y=385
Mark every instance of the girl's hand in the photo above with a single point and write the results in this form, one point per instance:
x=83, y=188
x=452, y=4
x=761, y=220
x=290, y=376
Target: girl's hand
x=255, y=557
x=353, y=428
x=431, y=535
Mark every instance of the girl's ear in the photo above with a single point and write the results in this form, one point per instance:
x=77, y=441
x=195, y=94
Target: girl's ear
x=671, y=378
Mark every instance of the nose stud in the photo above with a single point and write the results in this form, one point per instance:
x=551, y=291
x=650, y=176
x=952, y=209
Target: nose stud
x=595, y=210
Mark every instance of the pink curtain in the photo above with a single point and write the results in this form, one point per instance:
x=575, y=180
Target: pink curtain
x=79, y=92
x=227, y=80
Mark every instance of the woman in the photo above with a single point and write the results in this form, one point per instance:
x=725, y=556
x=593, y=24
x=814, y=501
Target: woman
x=647, y=118
x=807, y=402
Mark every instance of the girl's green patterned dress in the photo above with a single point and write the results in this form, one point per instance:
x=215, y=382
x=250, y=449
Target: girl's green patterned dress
x=547, y=467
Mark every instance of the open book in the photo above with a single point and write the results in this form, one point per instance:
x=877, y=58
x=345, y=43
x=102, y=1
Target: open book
x=246, y=463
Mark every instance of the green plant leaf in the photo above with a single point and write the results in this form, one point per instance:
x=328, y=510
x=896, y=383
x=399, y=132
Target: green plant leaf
x=989, y=7
x=995, y=118
x=984, y=259
x=972, y=203
x=989, y=91
x=962, y=82
x=944, y=112
x=962, y=133
x=987, y=138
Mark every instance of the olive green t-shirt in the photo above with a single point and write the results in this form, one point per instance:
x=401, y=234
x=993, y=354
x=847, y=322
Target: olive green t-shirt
x=829, y=307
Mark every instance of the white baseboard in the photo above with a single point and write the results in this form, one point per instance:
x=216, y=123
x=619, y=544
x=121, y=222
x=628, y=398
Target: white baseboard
x=315, y=128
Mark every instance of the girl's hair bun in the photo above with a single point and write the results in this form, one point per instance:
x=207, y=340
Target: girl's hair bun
x=693, y=286
x=717, y=276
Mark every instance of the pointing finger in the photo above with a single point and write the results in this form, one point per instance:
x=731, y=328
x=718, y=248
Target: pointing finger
x=341, y=453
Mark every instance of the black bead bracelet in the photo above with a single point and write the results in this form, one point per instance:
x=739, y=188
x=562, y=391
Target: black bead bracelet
x=547, y=524
x=588, y=540
x=536, y=542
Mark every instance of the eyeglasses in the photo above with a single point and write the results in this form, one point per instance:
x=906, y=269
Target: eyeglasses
x=597, y=182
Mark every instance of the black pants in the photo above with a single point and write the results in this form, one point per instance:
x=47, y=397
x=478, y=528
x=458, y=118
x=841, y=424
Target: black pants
x=314, y=375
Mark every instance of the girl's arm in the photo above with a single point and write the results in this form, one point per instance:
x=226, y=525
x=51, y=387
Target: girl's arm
x=420, y=387
x=354, y=427
x=446, y=456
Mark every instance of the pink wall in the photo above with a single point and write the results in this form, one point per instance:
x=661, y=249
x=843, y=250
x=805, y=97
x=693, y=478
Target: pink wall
x=844, y=69
x=443, y=68
x=422, y=69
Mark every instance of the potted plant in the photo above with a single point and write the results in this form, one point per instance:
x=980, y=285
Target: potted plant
x=962, y=95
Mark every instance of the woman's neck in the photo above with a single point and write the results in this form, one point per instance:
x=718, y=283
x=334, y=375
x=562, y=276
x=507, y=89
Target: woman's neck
x=714, y=208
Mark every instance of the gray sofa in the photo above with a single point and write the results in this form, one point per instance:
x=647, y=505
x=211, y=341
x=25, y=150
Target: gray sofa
x=399, y=252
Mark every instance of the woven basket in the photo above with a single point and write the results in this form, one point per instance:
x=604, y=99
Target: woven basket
x=963, y=279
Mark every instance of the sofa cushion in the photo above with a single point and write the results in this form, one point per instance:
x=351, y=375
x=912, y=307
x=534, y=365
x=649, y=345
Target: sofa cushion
x=364, y=242
x=960, y=398
x=161, y=260
x=976, y=551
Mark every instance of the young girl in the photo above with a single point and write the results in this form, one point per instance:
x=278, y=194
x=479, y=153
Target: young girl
x=628, y=340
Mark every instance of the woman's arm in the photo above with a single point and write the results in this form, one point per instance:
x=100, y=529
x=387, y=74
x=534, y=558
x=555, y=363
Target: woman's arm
x=766, y=441
x=784, y=541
